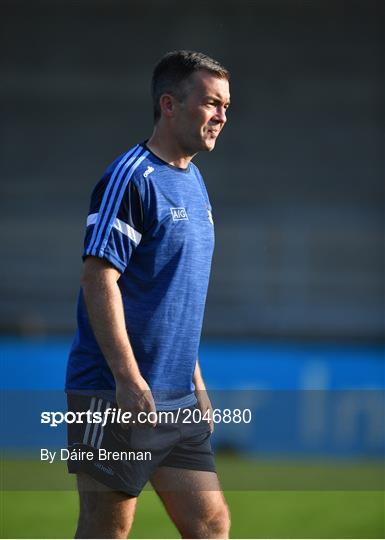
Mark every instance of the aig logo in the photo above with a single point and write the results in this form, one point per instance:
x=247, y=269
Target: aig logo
x=179, y=214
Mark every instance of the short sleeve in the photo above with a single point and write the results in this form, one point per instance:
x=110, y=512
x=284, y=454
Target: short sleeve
x=115, y=220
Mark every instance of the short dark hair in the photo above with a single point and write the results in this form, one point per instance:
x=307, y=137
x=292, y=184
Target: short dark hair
x=174, y=68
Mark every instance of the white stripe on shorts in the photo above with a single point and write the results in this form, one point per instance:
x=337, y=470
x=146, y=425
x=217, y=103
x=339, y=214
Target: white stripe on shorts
x=88, y=428
x=102, y=429
x=95, y=431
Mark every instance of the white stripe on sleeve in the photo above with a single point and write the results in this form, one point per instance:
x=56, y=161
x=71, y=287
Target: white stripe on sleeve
x=120, y=226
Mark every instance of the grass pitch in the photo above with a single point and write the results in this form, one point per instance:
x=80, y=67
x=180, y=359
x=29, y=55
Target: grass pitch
x=266, y=514
x=266, y=500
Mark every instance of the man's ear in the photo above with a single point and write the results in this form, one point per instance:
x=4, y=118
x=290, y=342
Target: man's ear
x=167, y=104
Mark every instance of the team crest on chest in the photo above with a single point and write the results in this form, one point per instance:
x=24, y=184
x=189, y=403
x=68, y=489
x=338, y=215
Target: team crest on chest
x=179, y=214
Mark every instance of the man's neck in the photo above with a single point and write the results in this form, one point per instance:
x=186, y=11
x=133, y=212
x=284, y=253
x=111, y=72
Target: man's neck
x=167, y=149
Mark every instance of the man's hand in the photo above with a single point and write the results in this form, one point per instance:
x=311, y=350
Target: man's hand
x=136, y=397
x=205, y=406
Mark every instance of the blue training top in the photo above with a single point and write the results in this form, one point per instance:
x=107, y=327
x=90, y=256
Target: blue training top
x=152, y=222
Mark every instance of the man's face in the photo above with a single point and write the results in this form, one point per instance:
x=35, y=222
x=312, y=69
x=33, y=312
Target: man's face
x=201, y=115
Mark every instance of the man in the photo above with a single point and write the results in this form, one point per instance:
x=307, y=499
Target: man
x=147, y=259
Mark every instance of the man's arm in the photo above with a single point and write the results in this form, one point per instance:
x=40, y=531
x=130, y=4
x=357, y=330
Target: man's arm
x=203, y=399
x=105, y=310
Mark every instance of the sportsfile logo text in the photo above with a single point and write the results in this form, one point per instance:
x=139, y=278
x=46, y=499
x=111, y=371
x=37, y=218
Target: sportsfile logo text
x=114, y=415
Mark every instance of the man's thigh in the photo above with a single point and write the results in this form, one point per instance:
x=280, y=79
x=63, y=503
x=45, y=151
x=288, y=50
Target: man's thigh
x=194, y=501
x=104, y=513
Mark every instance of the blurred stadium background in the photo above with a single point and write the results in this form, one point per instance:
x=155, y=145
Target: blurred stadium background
x=295, y=315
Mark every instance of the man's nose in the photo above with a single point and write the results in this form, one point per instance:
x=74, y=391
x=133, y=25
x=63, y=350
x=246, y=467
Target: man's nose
x=220, y=115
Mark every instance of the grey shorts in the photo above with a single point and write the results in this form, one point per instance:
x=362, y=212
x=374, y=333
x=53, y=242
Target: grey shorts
x=125, y=459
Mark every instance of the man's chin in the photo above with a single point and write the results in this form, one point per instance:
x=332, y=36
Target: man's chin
x=209, y=145
x=205, y=145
